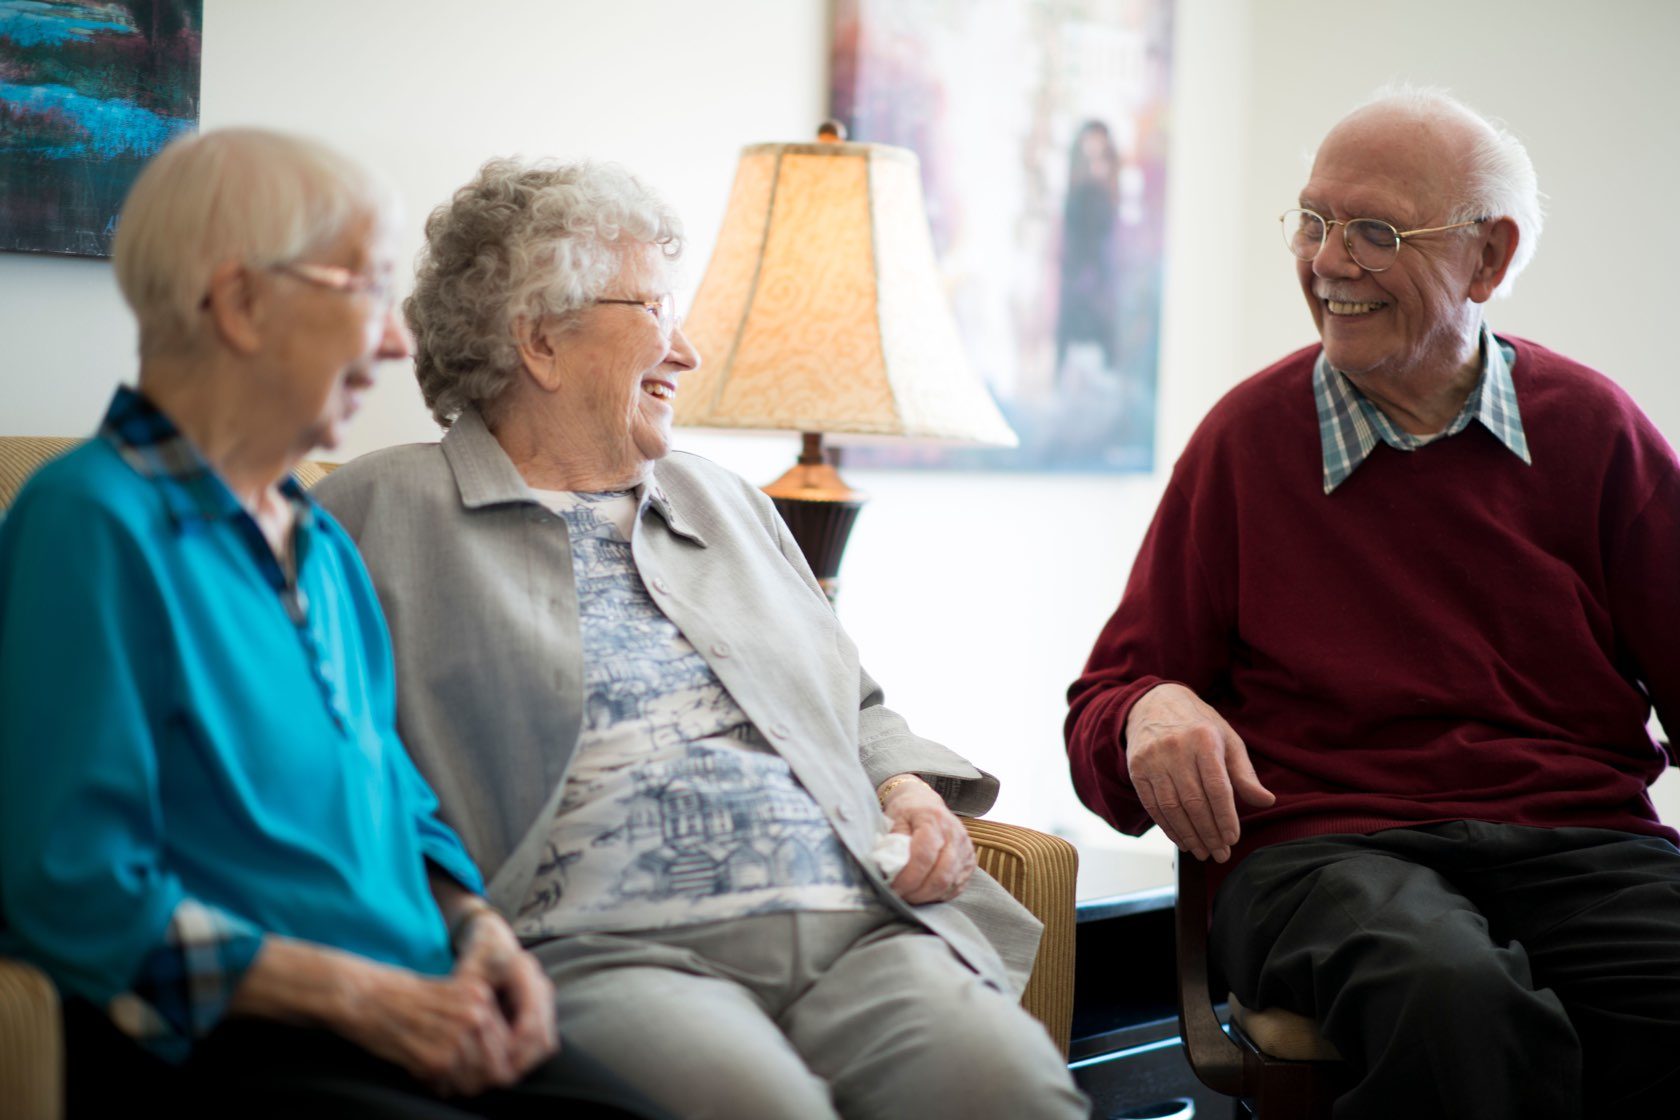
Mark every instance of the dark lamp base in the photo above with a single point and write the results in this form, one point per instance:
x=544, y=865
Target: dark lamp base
x=819, y=509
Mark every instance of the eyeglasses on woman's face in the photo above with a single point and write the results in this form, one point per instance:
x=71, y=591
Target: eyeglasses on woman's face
x=663, y=310
x=377, y=286
x=380, y=287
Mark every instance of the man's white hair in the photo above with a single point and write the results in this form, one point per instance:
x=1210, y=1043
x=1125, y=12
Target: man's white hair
x=242, y=194
x=1499, y=179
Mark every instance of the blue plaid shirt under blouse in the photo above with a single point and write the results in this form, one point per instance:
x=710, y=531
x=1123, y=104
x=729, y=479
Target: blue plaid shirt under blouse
x=1350, y=425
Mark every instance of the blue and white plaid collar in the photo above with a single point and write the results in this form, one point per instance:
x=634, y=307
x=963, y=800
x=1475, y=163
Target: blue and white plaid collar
x=150, y=442
x=1350, y=426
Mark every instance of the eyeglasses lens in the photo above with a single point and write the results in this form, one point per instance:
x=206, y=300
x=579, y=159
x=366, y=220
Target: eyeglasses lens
x=1303, y=233
x=1372, y=243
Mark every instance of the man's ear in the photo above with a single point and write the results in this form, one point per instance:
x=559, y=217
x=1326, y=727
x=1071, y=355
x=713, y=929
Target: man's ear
x=231, y=304
x=1499, y=246
x=538, y=352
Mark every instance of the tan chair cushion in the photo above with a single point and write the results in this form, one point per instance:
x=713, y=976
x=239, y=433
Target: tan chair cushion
x=31, y=1056
x=20, y=455
x=1283, y=1034
x=1039, y=870
x=311, y=471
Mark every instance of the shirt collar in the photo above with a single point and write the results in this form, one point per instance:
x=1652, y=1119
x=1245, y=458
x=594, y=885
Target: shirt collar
x=485, y=476
x=1350, y=426
x=655, y=496
x=151, y=444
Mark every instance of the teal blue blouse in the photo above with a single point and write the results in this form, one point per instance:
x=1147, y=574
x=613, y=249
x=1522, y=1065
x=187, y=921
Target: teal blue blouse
x=195, y=750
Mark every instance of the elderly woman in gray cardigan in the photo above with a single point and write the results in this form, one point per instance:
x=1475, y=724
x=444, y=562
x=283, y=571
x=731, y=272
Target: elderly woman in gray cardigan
x=642, y=717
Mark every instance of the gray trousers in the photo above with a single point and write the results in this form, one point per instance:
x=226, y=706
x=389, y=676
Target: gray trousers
x=805, y=1016
x=1470, y=969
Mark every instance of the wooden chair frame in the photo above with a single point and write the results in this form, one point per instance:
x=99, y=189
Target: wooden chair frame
x=1269, y=1088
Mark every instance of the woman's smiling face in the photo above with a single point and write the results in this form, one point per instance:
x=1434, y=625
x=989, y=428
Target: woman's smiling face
x=619, y=368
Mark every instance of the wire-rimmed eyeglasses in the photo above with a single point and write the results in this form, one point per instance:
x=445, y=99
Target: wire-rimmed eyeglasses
x=663, y=310
x=377, y=286
x=1371, y=242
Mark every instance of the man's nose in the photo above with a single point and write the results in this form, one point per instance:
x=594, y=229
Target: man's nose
x=1333, y=258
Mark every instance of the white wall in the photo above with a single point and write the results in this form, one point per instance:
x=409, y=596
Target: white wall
x=425, y=91
x=974, y=598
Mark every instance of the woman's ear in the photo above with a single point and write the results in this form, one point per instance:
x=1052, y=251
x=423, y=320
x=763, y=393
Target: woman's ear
x=232, y=305
x=539, y=353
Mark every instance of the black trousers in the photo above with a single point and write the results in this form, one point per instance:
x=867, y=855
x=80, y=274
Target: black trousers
x=1471, y=970
x=255, y=1068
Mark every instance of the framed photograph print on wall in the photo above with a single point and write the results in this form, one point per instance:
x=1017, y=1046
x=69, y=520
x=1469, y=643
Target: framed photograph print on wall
x=1042, y=132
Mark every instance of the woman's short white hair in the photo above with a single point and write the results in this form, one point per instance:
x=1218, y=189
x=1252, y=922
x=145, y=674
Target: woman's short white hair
x=1499, y=178
x=241, y=194
x=527, y=241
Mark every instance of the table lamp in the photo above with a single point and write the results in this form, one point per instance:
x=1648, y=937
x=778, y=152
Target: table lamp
x=822, y=311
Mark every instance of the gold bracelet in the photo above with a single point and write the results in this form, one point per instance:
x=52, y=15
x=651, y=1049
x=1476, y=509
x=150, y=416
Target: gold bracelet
x=892, y=784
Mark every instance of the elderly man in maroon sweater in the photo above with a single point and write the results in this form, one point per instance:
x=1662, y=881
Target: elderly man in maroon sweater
x=1388, y=655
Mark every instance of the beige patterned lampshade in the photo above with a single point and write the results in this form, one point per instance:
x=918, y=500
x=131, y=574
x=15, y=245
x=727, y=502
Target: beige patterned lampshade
x=822, y=309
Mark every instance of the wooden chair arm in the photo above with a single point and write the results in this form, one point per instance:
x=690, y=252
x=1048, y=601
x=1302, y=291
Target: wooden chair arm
x=1216, y=1060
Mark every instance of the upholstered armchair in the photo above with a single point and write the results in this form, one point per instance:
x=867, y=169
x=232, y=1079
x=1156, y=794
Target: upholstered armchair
x=1036, y=868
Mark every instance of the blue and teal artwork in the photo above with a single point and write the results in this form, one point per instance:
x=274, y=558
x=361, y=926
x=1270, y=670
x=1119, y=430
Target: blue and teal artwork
x=88, y=93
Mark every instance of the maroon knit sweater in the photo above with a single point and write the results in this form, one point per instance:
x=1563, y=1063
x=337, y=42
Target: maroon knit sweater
x=1451, y=634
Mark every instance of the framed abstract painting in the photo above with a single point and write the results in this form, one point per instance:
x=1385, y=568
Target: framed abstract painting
x=88, y=93
x=1042, y=133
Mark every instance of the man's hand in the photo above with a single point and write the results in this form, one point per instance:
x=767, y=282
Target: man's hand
x=941, y=854
x=1188, y=768
x=490, y=952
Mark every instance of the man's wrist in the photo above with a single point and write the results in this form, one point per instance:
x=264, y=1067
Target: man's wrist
x=1139, y=710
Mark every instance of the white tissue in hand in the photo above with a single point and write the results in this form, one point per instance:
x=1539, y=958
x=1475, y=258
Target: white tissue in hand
x=891, y=853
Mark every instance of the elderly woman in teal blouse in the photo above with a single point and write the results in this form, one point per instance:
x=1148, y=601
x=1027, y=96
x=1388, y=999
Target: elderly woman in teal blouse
x=210, y=835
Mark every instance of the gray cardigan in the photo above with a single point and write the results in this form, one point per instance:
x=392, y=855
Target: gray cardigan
x=476, y=580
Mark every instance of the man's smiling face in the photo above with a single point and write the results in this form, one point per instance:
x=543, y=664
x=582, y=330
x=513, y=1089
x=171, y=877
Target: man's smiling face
x=1417, y=318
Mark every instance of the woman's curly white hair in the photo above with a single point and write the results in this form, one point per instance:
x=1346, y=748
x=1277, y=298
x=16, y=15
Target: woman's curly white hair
x=527, y=241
